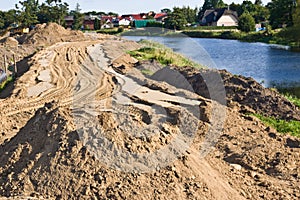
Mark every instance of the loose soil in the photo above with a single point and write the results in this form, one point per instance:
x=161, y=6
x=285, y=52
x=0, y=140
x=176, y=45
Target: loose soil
x=45, y=153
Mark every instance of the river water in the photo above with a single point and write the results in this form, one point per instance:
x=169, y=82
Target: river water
x=270, y=65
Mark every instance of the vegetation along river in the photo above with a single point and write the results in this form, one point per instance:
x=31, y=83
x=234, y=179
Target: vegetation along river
x=271, y=65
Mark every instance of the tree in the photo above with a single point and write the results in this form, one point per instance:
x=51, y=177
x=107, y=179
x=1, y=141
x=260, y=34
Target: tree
x=113, y=14
x=78, y=17
x=190, y=14
x=261, y=14
x=52, y=11
x=176, y=19
x=281, y=13
x=246, y=6
x=210, y=4
x=166, y=10
x=246, y=22
x=258, y=2
x=28, y=12
x=292, y=33
x=97, y=24
x=7, y=18
x=2, y=20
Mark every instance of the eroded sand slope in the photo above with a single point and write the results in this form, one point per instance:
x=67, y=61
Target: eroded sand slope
x=71, y=129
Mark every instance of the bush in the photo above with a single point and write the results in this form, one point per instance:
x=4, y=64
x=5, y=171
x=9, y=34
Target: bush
x=154, y=24
x=246, y=22
x=120, y=29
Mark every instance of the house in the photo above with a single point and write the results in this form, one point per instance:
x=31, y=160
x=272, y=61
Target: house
x=89, y=22
x=219, y=17
x=138, y=20
x=69, y=20
x=124, y=22
x=134, y=17
x=160, y=17
x=107, y=21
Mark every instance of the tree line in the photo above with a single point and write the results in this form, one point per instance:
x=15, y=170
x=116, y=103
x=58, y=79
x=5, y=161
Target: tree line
x=30, y=12
x=276, y=14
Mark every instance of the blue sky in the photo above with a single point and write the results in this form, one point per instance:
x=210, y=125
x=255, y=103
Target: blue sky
x=124, y=6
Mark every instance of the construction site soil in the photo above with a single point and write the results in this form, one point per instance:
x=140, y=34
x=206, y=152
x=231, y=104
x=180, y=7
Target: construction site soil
x=81, y=121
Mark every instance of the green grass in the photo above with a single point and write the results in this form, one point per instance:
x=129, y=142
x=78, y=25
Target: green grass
x=165, y=56
x=293, y=99
x=147, y=72
x=211, y=28
x=282, y=126
x=112, y=31
x=4, y=84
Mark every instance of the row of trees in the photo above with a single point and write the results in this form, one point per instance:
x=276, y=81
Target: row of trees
x=179, y=17
x=277, y=13
x=31, y=12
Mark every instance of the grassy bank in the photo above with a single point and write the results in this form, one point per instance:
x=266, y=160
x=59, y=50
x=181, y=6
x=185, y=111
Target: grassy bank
x=165, y=56
x=282, y=126
x=4, y=83
x=271, y=38
x=111, y=31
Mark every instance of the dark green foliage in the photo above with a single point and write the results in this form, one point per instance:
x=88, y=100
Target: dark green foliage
x=293, y=33
x=176, y=20
x=166, y=10
x=28, y=12
x=52, y=11
x=210, y=4
x=78, y=18
x=154, y=24
x=281, y=13
x=97, y=24
x=246, y=23
x=120, y=29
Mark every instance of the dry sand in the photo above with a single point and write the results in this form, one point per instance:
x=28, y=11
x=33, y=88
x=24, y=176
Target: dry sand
x=71, y=129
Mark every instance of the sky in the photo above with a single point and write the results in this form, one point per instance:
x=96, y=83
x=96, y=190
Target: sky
x=124, y=6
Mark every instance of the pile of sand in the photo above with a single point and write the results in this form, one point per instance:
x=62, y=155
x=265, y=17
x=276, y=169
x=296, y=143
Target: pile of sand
x=43, y=155
x=48, y=34
x=9, y=41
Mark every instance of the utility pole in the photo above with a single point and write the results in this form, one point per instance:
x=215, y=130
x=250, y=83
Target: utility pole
x=15, y=65
x=5, y=60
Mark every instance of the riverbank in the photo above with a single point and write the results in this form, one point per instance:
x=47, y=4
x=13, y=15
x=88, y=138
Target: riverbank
x=233, y=34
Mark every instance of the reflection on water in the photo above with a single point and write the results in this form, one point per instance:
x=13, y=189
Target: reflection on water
x=269, y=65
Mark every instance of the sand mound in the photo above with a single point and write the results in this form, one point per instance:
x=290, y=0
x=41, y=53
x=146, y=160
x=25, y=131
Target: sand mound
x=48, y=34
x=43, y=153
x=9, y=41
x=252, y=96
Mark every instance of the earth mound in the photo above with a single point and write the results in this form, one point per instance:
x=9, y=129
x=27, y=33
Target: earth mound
x=250, y=95
x=9, y=41
x=48, y=34
x=43, y=153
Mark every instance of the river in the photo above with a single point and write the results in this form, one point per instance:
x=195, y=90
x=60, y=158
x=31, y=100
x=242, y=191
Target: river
x=270, y=65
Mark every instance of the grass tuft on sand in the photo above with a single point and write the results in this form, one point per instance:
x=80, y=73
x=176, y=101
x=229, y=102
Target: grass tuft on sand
x=291, y=127
x=4, y=83
x=155, y=51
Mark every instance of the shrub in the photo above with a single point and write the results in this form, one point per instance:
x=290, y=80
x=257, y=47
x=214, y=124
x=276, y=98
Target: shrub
x=120, y=29
x=246, y=22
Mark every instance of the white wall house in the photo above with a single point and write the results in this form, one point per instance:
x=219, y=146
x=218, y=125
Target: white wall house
x=227, y=20
x=220, y=17
x=124, y=22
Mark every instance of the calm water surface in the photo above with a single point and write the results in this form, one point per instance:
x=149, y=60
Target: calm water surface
x=269, y=65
